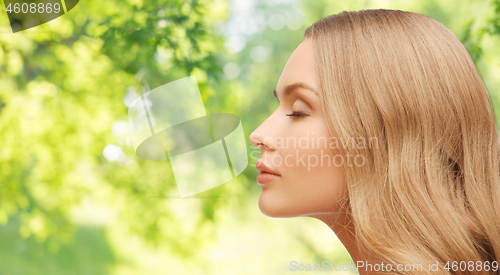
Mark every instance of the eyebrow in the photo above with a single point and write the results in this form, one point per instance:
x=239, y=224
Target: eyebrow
x=290, y=87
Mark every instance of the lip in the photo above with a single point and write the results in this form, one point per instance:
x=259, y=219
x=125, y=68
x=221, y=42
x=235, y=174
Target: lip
x=266, y=174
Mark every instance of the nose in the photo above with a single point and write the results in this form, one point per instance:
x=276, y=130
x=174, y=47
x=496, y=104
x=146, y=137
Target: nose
x=257, y=141
x=260, y=140
x=266, y=135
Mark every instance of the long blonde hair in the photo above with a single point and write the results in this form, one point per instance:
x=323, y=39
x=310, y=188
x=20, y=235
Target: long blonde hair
x=429, y=190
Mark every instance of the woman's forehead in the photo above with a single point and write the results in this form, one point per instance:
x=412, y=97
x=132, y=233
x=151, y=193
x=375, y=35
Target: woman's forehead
x=299, y=67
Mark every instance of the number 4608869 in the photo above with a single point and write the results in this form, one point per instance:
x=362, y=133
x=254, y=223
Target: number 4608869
x=33, y=8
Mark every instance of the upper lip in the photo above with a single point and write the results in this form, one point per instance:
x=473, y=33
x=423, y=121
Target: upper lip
x=263, y=168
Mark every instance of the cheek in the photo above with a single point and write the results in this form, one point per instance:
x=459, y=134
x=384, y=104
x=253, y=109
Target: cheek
x=317, y=181
x=312, y=180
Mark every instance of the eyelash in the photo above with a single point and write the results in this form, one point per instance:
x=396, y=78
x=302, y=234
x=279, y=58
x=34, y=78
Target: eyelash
x=296, y=114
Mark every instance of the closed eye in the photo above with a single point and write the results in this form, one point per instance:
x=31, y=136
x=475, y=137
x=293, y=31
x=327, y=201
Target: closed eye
x=297, y=114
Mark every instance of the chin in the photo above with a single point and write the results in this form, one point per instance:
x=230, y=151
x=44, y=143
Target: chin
x=274, y=207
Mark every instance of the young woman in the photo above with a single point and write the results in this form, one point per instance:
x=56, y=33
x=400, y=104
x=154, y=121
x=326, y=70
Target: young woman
x=386, y=133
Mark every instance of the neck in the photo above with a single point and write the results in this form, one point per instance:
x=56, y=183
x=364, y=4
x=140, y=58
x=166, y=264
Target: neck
x=342, y=225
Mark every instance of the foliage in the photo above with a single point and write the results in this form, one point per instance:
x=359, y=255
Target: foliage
x=63, y=85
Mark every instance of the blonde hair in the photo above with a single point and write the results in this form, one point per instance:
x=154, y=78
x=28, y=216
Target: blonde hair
x=429, y=190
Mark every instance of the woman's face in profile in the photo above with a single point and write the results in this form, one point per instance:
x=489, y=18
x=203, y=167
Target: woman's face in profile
x=300, y=175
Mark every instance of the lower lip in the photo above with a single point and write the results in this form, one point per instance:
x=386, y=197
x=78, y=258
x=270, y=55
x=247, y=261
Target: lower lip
x=266, y=178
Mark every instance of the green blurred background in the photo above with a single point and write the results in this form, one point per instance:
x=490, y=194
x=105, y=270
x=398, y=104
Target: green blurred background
x=74, y=198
